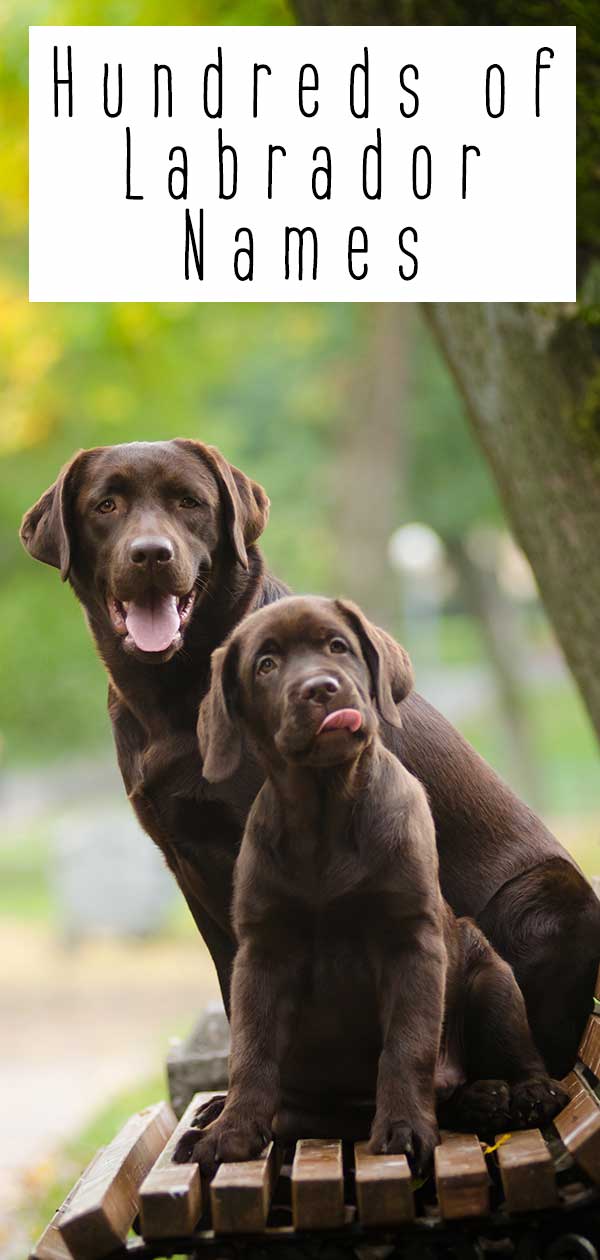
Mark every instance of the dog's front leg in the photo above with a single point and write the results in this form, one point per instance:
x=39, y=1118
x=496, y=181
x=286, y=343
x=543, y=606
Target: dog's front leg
x=410, y=984
x=263, y=1005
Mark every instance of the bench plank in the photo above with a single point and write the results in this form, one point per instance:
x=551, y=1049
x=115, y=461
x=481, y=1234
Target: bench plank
x=589, y=1050
x=578, y=1125
x=461, y=1177
x=384, y=1193
x=50, y=1245
x=105, y=1202
x=171, y=1194
x=527, y=1172
x=318, y=1184
x=240, y=1194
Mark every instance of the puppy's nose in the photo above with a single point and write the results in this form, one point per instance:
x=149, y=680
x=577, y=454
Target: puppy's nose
x=151, y=550
x=320, y=688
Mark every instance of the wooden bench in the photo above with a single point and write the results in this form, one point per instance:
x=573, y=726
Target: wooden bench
x=528, y=1184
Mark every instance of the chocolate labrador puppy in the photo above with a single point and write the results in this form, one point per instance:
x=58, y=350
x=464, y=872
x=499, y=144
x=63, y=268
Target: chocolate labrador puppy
x=158, y=541
x=351, y=969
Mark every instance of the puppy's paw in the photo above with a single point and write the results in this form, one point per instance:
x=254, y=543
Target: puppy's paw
x=204, y=1116
x=535, y=1102
x=228, y=1140
x=483, y=1107
x=399, y=1137
x=209, y=1111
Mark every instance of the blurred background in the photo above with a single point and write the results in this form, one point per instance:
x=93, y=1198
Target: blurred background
x=348, y=417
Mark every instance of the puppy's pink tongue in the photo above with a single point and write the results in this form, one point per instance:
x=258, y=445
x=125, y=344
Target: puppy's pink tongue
x=341, y=720
x=153, y=626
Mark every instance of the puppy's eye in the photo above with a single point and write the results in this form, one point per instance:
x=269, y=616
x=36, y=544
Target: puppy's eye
x=188, y=501
x=266, y=665
x=338, y=645
x=107, y=505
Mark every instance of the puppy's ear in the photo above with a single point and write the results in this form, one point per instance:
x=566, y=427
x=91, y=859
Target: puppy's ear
x=218, y=722
x=388, y=663
x=245, y=503
x=46, y=528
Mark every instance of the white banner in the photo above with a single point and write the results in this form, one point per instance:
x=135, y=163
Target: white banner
x=280, y=164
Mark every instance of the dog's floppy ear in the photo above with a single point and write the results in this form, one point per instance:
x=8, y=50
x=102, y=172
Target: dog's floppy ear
x=218, y=723
x=46, y=528
x=245, y=503
x=388, y=663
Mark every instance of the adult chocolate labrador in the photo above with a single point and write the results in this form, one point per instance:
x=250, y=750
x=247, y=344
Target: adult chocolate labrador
x=158, y=541
x=352, y=975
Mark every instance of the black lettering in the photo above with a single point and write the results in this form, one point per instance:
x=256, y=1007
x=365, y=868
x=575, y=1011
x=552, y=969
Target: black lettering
x=129, y=196
x=167, y=70
x=376, y=149
x=408, y=254
x=421, y=148
x=115, y=112
x=68, y=82
x=325, y=170
x=539, y=65
x=301, y=233
x=488, y=80
x=357, y=249
x=273, y=149
x=223, y=149
x=178, y=170
x=196, y=245
x=246, y=251
x=217, y=67
x=466, y=149
x=411, y=111
x=257, y=67
x=361, y=67
x=308, y=87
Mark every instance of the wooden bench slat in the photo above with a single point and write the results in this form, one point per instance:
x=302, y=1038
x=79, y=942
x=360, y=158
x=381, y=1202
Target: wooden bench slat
x=318, y=1184
x=50, y=1245
x=384, y=1194
x=105, y=1202
x=527, y=1172
x=578, y=1125
x=461, y=1177
x=171, y=1194
x=240, y=1194
x=589, y=1050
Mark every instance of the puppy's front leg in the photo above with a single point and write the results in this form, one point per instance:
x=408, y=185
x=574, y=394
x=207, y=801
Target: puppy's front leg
x=262, y=1000
x=411, y=982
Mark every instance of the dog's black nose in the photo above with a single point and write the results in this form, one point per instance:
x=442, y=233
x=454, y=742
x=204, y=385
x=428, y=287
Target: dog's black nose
x=319, y=688
x=151, y=550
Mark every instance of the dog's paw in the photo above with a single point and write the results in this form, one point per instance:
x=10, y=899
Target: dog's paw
x=535, y=1102
x=483, y=1107
x=209, y=1111
x=399, y=1137
x=227, y=1140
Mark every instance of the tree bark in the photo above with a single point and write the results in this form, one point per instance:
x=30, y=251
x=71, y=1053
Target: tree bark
x=529, y=385
x=370, y=460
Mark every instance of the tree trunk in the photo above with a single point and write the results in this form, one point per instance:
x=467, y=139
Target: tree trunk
x=527, y=380
x=369, y=461
x=497, y=620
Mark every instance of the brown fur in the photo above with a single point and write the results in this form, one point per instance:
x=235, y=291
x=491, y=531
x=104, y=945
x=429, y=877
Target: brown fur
x=352, y=974
x=498, y=862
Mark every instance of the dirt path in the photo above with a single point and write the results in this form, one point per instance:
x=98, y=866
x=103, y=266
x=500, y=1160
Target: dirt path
x=77, y=1026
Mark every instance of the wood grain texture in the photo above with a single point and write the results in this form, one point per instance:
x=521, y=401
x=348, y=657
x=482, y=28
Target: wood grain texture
x=527, y=1172
x=578, y=1125
x=384, y=1193
x=318, y=1184
x=106, y=1200
x=50, y=1245
x=240, y=1194
x=589, y=1050
x=171, y=1194
x=461, y=1177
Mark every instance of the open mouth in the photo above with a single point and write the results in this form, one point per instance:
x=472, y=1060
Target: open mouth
x=341, y=720
x=153, y=624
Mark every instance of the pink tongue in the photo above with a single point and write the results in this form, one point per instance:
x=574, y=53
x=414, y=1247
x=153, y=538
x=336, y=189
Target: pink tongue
x=341, y=720
x=153, y=626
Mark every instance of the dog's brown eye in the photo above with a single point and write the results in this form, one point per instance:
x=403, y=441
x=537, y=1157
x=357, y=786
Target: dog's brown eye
x=107, y=505
x=338, y=645
x=188, y=501
x=265, y=665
